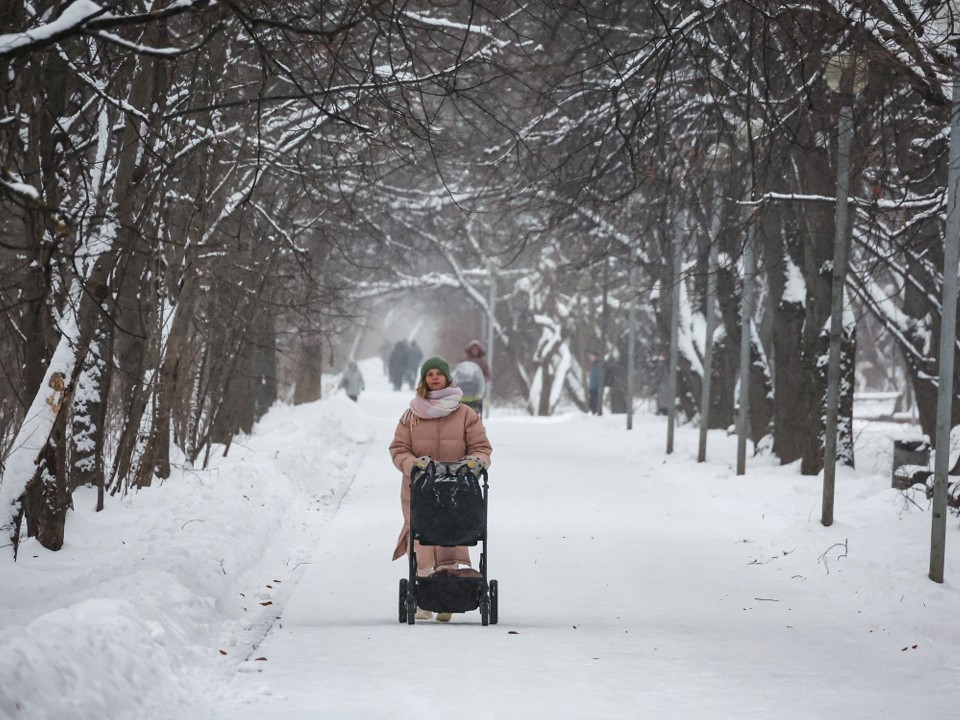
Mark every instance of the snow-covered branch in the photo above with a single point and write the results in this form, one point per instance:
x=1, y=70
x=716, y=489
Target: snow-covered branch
x=88, y=17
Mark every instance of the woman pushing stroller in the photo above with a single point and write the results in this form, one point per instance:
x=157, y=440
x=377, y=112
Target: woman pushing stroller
x=436, y=426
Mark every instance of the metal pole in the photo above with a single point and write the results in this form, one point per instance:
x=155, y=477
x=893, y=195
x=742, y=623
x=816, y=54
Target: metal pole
x=603, y=338
x=746, y=319
x=948, y=340
x=632, y=335
x=840, y=253
x=675, y=273
x=711, y=327
x=491, y=324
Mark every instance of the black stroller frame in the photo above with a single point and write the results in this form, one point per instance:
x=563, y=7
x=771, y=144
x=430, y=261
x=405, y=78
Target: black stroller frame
x=448, y=508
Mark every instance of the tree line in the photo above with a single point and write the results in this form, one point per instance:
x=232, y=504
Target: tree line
x=200, y=198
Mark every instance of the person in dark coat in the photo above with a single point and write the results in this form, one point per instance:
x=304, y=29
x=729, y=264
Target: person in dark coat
x=398, y=364
x=414, y=357
x=594, y=384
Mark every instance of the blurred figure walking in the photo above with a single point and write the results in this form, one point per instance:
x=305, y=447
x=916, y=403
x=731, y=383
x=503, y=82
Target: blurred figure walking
x=352, y=381
x=414, y=356
x=594, y=384
x=398, y=364
x=472, y=375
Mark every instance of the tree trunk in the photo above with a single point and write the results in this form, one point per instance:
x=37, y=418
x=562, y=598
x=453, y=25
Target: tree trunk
x=248, y=380
x=154, y=457
x=727, y=352
x=789, y=391
x=89, y=413
x=547, y=379
x=845, y=438
x=39, y=450
x=309, y=371
x=45, y=499
x=726, y=364
x=44, y=235
x=617, y=391
x=761, y=395
x=33, y=486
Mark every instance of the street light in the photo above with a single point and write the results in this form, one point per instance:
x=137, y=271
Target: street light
x=633, y=205
x=845, y=75
x=676, y=271
x=948, y=339
x=491, y=326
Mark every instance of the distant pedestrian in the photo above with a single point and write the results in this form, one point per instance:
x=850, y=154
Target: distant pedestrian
x=397, y=363
x=594, y=386
x=414, y=356
x=472, y=375
x=474, y=352
x=469, y=378
x=384, y=350
x=352, y=381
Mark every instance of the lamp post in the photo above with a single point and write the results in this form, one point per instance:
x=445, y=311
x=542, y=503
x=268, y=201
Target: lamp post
x=604, y=316
x=948, y=340
x=633, y=205
x=491, y=324
x=746, y=324
x=676, y=254
x=844, y=74
x=632, y=335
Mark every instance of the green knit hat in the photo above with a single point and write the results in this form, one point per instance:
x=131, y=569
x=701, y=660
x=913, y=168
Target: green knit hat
x=436, y=363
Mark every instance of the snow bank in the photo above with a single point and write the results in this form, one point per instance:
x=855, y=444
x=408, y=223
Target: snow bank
x=121, y=617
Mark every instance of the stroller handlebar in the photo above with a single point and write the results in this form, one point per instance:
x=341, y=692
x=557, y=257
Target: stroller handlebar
x=439, y=468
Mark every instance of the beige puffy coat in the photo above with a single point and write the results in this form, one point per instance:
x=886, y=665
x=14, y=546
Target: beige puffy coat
x=446, y=439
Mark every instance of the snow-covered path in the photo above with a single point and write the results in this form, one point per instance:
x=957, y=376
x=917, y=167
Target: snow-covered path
x=631, y=585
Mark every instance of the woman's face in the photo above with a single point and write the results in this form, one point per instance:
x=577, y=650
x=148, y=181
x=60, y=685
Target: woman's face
x=435, y=379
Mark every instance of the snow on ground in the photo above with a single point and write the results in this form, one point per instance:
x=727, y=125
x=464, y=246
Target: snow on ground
x=150, y=602
x=632, y=584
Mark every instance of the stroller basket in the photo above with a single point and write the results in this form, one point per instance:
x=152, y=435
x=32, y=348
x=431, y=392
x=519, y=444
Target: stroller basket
x=449, y=594
x=447, y=509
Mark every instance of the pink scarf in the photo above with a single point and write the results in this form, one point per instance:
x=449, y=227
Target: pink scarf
x=437, y=404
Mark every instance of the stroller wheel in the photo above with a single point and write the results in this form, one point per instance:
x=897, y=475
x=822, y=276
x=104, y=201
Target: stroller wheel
x=411, y=606
x=494, y=591
x=403, y=600
x=484, y=606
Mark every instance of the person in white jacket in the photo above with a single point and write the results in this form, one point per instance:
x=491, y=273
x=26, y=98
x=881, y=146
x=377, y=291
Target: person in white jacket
x=352, y=381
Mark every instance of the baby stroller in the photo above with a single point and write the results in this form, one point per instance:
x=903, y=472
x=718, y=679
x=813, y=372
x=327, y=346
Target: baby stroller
x=448, y=507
